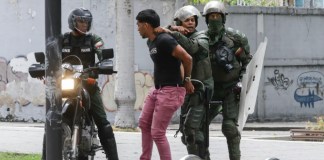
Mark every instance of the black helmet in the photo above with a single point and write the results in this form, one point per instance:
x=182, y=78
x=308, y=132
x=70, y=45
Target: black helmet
x=82, y=14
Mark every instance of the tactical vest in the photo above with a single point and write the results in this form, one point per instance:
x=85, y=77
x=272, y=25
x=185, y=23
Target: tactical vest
x=225, y=72
x=82, y=47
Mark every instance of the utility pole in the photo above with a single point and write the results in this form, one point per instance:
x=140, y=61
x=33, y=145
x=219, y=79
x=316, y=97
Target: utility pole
x=53, y=62
x=125, y=81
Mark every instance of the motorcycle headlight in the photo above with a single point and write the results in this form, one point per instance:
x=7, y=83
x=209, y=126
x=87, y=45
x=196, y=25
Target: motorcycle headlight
x=67, y=84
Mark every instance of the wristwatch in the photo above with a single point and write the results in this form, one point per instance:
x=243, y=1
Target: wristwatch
x=188, y=79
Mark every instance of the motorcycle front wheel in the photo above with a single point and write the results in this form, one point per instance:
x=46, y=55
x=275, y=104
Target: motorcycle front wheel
x=66, y=141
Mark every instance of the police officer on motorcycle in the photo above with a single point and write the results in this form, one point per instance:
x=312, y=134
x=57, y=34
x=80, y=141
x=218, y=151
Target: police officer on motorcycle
x=229, y=54
x=193, y=110
x=85, y=45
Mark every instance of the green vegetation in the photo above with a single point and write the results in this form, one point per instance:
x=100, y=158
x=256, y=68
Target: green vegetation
x=265, y=3
x=20, y=156
x=198, y=1
x=318, y=125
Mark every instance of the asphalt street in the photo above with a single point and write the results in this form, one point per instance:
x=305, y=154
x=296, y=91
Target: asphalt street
x=255, y=145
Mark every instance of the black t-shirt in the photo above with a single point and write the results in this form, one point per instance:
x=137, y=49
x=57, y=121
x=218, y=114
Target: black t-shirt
x=166, y=67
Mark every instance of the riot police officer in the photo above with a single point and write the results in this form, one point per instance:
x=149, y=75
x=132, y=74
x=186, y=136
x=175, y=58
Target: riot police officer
x=86, y=45
x=193, y=110
x=229, y=55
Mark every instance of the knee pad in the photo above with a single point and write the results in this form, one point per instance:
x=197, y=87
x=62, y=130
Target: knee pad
x=195, y=116
x=106, y=132
x=229, y=129
x=199, y=137
x=193, y=136
x=189, y=135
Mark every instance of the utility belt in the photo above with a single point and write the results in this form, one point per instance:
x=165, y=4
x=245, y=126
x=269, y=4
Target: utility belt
x=160, y=86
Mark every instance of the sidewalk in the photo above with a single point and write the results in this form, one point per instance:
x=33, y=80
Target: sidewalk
x=27, y=138
x=258, y=126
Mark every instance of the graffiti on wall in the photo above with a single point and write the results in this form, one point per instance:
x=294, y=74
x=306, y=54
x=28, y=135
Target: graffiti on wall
x=310, y=88
x=23, y=97
x=18, y=90
x=143, y=82
x=279, y=81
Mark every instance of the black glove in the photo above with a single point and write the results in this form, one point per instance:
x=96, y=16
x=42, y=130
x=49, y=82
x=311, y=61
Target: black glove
x=93, y=74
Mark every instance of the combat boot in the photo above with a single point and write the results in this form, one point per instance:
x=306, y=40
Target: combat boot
x=110, y=148
x=108, y=142
x=234, y=148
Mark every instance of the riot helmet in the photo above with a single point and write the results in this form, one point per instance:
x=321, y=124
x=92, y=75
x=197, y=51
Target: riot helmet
x=80, y=14
x=185, y=12
x=214, y=7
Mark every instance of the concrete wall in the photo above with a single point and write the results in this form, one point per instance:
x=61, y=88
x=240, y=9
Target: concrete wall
x=292, y=83
x=23, y=33
x=291, y=88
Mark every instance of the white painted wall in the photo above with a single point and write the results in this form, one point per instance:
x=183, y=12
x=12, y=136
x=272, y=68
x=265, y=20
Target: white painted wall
x=295, y=47
x=23, y=33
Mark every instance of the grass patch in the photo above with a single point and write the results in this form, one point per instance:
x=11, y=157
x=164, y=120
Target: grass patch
x=20, y=156
x=118, y=129
x=317, y=126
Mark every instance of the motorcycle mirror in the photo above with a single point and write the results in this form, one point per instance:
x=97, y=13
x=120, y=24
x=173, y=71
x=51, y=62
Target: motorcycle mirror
x=36, y=70
x=106, y=67
x=40, y=57
x=107, y=53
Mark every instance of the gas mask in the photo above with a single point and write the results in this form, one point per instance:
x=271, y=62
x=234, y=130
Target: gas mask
x=224, y=58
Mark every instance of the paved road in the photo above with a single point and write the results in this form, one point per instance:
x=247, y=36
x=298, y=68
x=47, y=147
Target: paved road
x=27, y=138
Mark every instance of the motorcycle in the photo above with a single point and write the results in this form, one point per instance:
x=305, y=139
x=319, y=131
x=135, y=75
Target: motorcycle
x=79, y=134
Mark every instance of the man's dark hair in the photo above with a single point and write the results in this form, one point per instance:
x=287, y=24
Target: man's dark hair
x=149, y=16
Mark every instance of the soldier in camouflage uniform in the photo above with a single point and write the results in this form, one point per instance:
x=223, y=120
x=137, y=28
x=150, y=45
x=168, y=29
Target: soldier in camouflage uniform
x=229, y=55
x=85, y=46
x=192, y=116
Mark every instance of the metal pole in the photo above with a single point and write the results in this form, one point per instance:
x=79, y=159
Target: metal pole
x=52, y=76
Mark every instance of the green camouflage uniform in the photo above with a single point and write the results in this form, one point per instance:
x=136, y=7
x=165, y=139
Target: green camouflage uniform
x=193, y=110
x=225, y=83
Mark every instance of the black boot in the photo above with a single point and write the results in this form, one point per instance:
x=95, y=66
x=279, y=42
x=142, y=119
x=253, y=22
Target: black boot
x=110, y=149
x=108, y=142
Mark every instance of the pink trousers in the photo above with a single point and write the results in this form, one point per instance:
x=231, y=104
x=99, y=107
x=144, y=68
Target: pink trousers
x=158, y=109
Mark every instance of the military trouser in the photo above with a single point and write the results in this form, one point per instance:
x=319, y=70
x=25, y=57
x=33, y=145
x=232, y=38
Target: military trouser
x=230, y=111
x=192, y=123
x=105, y=132
x=97, y=110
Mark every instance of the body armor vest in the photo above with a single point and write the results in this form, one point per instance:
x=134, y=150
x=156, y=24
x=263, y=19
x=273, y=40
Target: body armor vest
x=81, y=46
